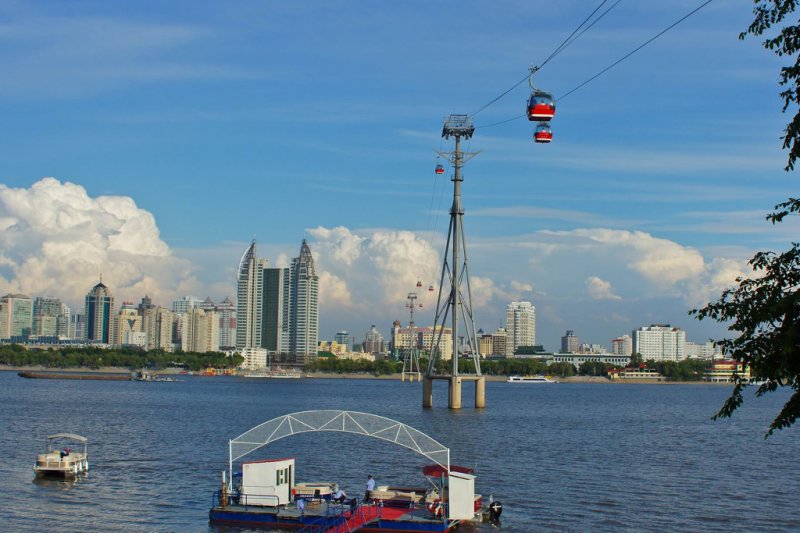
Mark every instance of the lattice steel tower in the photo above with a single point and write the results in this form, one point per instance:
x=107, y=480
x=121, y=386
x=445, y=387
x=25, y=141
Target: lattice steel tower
x=455, y=304
x=411, y=360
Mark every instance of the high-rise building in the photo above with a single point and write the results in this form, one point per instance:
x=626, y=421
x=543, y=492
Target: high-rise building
x=499, y=342
x=423, y=338
x=16, y=316
x=344, y=339
x=486, y=344
x=77, y=326
x=249, y=300
x=660, y=342
x=373, y=340
x=145, y=304
x=186, y=303
x=622, y=345
x=157, y=327
x=570, y=342
x=275, y=310
x=709, y=350
x=129, y=324
x=304, y=310
x=520, y=326
x=200, y=331
x=50, y=317
x=226, y=312
x=99, y=311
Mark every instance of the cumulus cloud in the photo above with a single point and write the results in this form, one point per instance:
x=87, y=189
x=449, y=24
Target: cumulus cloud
x=664, y=267
x=600, y=289
x=521, y=287
x=57, y=240
x=372, y=272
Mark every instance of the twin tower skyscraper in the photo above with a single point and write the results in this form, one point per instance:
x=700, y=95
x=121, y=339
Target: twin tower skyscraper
x=277, y=308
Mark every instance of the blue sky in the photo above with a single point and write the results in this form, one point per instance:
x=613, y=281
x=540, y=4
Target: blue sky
x=186, y=128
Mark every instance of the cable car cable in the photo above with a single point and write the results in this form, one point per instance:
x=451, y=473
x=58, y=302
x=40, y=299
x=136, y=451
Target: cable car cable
x=603, y=14
x=552, y=55
x=626, y=56
x=564, y=44
x=612, y=65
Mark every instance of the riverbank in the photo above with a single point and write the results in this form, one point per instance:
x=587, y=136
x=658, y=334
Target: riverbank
x=332, y=375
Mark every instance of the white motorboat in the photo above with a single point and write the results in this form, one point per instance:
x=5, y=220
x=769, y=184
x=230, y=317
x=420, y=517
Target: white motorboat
x=530, y=379
x=62, y=461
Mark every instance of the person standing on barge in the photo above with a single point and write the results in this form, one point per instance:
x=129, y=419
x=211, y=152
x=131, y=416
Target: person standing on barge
x=370, y=488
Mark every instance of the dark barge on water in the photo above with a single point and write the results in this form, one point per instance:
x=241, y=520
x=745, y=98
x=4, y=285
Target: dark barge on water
x=31, y=374
x=265, y=493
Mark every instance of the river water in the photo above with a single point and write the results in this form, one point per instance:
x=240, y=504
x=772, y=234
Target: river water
x=565, y=457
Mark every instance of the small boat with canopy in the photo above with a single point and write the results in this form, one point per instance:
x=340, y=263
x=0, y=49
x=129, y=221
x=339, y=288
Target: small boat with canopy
x=60, y=460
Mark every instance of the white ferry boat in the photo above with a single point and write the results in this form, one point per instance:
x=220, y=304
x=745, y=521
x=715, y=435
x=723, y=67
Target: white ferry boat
x=530, y=379
x=276, y=373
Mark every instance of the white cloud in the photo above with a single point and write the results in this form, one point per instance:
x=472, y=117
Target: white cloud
x=521, y=286
x=600, y=289
x=334, y=292
x=372, y=271
x=58, y=241
x=661, y=262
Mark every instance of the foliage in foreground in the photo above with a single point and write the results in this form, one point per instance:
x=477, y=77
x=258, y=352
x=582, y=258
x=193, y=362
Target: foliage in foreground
x=764, y=311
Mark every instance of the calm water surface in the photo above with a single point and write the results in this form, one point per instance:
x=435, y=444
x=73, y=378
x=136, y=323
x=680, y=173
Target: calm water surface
x=566, y=457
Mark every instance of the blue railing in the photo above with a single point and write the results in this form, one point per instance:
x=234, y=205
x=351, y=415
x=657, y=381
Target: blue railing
x=337, y=515
x=334, y=515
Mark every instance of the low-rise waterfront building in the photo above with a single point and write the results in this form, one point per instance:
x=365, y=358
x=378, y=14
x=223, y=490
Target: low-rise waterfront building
x=635, y=374
x=577, y=359
x=723, y=372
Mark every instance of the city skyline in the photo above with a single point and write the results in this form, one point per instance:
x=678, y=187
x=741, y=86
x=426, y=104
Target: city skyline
x=170, y=151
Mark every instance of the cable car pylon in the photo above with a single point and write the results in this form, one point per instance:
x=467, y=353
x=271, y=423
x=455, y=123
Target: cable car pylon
x=455, y=304
x=411, y=359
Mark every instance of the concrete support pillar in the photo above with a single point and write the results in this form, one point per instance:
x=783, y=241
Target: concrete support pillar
x=455, y=393
x=427, y=392
x=480, y=393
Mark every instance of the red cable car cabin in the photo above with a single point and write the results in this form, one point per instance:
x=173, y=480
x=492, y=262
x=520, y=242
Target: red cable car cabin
x=541, y=106
x=439, y=169
x=543, y=133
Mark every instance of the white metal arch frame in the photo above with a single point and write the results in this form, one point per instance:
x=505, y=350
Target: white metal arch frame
x=366, y=424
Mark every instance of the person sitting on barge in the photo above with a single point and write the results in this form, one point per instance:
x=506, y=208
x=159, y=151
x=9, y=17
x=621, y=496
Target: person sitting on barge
x=339, y=496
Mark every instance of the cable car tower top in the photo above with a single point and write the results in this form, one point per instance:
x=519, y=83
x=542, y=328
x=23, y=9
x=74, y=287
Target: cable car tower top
x=457, y=303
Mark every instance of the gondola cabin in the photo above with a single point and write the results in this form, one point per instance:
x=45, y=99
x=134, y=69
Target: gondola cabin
x=543, y=133
x=541, y=106
x=439, y=169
